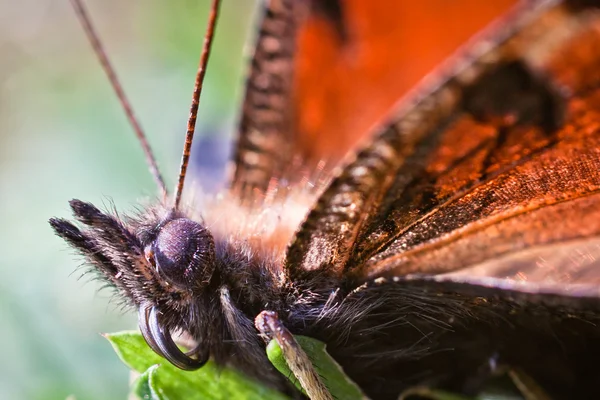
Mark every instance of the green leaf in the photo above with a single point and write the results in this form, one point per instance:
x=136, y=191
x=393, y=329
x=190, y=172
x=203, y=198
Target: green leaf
x=432, y=394
x=144, y=387
x=490, y=392
x=169, y=382
x=338, y=384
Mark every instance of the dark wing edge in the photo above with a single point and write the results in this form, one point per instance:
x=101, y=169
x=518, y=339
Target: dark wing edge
x=264, y=134
x=262, y=129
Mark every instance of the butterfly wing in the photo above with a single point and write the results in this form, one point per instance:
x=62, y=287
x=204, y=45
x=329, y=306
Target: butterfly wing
x=324, y=72
x=496, y=156
x=489, y=170
x=493, y=160
x=264, y=136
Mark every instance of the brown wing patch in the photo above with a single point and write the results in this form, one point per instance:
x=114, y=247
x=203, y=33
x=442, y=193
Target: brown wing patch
x=487, y=189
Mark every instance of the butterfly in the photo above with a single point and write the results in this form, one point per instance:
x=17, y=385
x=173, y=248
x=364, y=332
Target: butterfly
x=462, y=235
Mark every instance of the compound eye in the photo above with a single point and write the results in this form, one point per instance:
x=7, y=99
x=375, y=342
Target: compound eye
x=183, y=253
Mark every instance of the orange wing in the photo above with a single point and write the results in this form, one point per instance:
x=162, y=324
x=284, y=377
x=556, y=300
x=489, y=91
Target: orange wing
x=496, y=159
x=325, y=71
x=346, y=85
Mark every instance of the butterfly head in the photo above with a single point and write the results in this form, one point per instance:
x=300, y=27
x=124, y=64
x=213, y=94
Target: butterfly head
x=162, y=262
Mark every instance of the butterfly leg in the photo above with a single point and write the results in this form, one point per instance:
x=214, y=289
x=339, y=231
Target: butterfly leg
x=271, y=327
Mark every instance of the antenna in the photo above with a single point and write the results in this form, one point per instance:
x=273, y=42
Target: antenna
x=116, y=85
x=191, y=125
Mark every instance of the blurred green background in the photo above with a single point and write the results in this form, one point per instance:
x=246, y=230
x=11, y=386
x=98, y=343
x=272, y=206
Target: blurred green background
x=63, y=135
